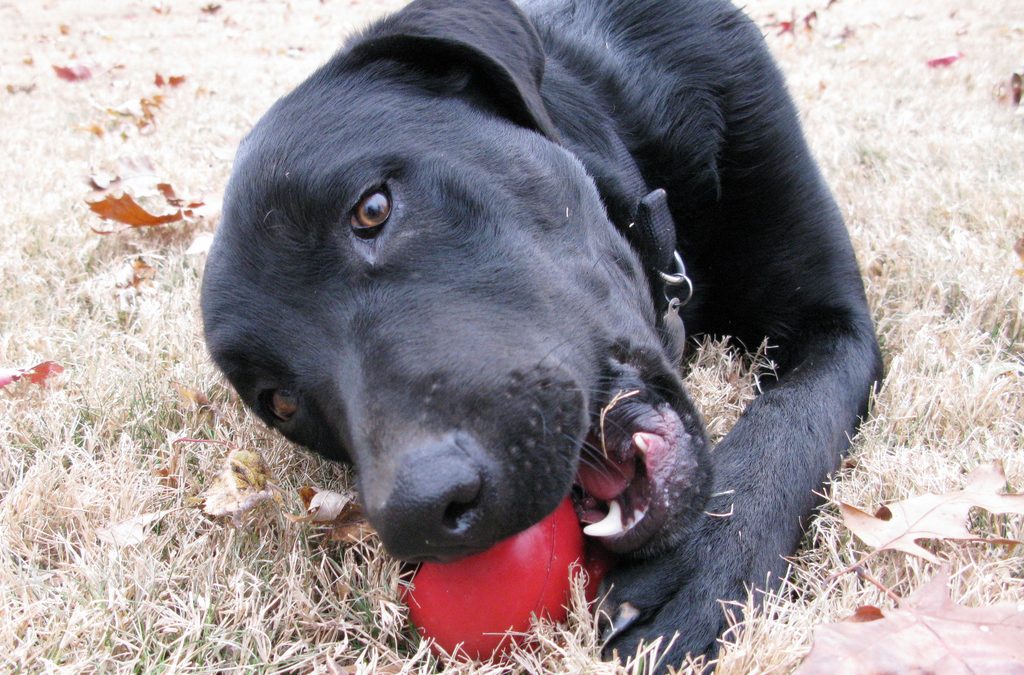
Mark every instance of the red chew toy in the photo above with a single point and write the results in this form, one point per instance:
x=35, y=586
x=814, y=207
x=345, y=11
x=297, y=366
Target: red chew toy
x=476, y=600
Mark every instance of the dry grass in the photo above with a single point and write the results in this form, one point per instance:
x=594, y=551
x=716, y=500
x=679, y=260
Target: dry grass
x=927, y=165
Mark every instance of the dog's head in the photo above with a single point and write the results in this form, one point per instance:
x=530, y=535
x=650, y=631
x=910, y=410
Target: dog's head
x=413, y=274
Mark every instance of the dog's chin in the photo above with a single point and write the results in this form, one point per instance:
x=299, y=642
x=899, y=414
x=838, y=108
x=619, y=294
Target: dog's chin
x=642, y=474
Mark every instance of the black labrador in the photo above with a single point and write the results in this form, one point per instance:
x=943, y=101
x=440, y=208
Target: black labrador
x=479, y=226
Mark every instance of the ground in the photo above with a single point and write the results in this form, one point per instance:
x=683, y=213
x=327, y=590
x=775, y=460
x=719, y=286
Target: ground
x=927, y=165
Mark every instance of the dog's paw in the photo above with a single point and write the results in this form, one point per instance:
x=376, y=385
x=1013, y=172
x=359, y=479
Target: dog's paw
x=683, y=595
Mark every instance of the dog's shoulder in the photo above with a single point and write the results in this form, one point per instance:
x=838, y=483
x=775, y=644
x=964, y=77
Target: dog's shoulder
x=675, y=79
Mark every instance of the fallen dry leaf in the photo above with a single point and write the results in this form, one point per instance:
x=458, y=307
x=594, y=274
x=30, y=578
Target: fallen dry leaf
x=37, y=374
x=350, y=527
x=197, y=399
x=141, y=112
x=342, y=515
x=173, y=199
x=168, y=474
x=211, y=8
x=898, y=526
x=129, y=532
x=73, y=73
x=809, y=20
x=20, y=88
x=170, y=81
x=94, y=129
x=326, y=506
x=193, y=396
x=121, y=197
x=124, y=209
x=785, y=25
x=242, y=484
x=1016, y=87
x=926, y=633
x=139, y=272
x=944, y=61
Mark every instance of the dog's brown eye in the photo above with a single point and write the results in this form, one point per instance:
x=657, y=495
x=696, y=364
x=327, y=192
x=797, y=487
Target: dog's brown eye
x=372, y=211
x=282, y=404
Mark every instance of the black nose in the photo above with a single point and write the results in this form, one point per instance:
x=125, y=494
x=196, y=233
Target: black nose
x=436, y=508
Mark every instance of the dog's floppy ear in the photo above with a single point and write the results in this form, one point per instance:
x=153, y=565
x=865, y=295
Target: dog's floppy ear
x=492, y=39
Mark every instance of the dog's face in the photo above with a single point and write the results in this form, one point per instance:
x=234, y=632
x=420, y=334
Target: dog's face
x=405, y=279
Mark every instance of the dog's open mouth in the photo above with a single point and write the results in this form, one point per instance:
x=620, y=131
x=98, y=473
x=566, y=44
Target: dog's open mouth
x=637, y=468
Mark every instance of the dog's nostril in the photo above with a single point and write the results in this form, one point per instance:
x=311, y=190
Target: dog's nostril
x=456, y=516
x=439, y=503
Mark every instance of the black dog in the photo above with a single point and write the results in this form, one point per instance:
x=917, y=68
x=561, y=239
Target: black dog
x=446, y=252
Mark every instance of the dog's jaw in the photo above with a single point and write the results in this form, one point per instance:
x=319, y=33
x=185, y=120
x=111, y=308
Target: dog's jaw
x=638, y=470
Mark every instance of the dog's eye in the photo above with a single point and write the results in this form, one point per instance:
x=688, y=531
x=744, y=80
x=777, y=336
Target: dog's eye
x=281, y=403
x=371, y=212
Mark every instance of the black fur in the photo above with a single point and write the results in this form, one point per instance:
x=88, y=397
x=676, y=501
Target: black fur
x=460, y=356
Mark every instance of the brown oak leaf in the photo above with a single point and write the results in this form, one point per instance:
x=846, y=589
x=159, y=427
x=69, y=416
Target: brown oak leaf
x=124, y=209
x=926, y=633
x=898, y=526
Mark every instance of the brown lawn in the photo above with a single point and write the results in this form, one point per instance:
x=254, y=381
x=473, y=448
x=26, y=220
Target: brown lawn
x=927, y=165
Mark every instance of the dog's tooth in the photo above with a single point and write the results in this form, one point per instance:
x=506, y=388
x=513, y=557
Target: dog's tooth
x=610, y=526
x=642, y=441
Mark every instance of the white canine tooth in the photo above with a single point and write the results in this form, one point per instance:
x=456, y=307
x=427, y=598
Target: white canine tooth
x=610, y=526
x=640, y=441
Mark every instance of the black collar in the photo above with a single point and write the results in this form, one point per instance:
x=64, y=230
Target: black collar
x=651, y=232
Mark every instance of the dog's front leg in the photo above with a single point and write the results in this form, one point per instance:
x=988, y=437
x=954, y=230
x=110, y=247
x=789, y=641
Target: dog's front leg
x=768, y=472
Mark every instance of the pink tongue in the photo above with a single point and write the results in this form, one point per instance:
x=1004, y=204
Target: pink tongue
x=606, y=481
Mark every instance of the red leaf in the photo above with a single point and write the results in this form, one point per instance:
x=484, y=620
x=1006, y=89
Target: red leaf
x=126, y=210
x=37, y=374
x=75, y=73
x=944, y=61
